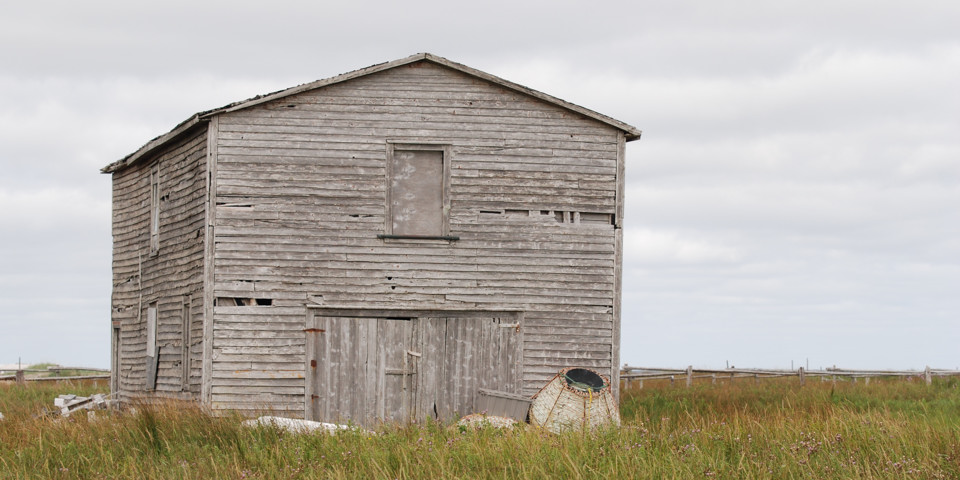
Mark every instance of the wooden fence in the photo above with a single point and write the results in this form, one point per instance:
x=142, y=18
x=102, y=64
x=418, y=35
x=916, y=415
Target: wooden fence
x=20, y=376
x=634, y=376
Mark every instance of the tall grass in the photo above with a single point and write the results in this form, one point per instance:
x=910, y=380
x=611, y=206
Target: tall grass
x=775, y=429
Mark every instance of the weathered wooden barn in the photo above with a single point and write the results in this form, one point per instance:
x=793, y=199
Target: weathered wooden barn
x=376, y=245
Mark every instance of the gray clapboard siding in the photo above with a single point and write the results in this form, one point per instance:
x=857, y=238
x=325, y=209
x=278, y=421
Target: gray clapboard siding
x=166, y=277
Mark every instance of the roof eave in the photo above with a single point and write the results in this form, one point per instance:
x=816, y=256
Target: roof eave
x=629, y=130
x=152, y=145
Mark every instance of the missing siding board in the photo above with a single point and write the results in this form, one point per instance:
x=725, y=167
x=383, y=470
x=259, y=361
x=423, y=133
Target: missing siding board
x=559, y=216
x=243, y=302
x=596, y=218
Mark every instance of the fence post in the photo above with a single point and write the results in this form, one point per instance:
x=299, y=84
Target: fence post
x=713, y=379
x=640, y=384
x=803, y=376
x=756, y=378
x=689, y=376
x=927, y=376
x=671, y=380
x=866, y=380
x=20, y=378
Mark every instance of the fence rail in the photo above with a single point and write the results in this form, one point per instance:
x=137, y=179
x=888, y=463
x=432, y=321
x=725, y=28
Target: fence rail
x=636, y=375
x=20, y=375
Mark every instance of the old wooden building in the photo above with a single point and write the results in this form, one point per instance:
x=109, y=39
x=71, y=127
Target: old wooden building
x=377, y=245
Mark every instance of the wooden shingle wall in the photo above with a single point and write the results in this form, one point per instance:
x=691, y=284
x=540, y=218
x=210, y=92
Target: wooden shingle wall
x=169, y=277
x=301, y=195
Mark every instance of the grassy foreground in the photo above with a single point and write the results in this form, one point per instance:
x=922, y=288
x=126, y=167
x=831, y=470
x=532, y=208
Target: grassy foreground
x=775, y=429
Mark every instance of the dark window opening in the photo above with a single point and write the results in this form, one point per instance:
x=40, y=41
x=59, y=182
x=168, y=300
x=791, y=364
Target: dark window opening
x=243, y=302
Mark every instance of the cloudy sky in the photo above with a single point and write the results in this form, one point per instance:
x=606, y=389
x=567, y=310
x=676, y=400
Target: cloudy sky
x=795, y=196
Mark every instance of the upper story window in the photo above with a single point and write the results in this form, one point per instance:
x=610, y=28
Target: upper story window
x=418, y=178
x=155, y=209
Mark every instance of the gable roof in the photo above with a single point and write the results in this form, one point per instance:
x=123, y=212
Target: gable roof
x=630, y=133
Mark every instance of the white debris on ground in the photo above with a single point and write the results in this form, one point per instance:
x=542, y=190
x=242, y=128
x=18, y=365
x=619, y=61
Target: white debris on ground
x=1, y=415
x=70, y=403
x=296, y=425
x=479, y=420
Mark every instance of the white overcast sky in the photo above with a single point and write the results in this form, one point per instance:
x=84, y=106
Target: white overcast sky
x=795, y=196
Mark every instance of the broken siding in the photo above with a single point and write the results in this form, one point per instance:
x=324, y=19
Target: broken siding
x=301, y=197
x=168, y=277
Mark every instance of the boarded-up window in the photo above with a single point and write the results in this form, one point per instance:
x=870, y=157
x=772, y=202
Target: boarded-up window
x=418, y=177
x=151, y=347
x=154, y=209
x=185, y=346
x=152, y=330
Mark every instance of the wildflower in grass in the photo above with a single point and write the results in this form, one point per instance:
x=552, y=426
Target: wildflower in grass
x=686, y=449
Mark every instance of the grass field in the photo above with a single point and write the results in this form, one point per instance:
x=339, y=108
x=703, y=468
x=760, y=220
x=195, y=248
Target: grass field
x=774, y=429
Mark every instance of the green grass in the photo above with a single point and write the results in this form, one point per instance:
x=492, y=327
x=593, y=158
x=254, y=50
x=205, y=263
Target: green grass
x=775, y=429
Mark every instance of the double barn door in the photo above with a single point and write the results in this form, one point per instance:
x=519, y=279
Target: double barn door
x=366, y=367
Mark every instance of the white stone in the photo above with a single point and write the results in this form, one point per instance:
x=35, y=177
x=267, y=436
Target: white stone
x=296, y=425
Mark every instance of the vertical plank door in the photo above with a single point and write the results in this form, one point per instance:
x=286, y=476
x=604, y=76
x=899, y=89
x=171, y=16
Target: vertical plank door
x=360, y=371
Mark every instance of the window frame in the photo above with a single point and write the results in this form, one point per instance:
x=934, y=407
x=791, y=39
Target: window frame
x=445, y=150
x=152, y=329
x=154, y=209
x=186, y=339
x=152, y=349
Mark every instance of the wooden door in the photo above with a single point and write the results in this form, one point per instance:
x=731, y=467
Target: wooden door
x=461, y=355
x=360, y=370
x=396, y=369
